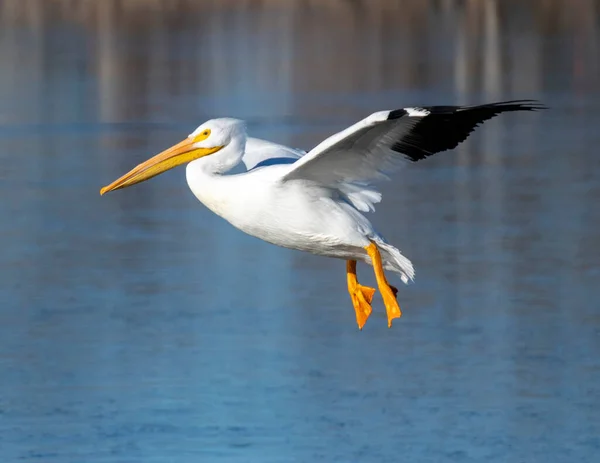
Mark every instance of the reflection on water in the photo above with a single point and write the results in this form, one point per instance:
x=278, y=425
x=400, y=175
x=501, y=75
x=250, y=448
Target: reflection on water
x=139, y=327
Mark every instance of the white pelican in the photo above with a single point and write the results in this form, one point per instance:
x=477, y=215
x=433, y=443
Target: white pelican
x=314, y=201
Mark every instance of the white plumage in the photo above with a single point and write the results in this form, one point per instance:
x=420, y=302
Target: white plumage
x=262, y=153
x=315, y=201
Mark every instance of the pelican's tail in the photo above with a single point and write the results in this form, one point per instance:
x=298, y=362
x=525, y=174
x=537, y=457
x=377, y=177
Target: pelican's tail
x=394, y=260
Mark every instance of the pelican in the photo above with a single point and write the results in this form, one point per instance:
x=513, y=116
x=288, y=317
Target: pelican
x=315, y=201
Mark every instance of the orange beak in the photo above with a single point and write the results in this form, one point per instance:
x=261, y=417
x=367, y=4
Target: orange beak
x=181, y=153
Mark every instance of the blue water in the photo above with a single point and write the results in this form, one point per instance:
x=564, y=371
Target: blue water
x=139, y=327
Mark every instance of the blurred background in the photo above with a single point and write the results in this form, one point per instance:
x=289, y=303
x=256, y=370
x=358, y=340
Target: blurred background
x=139, y=327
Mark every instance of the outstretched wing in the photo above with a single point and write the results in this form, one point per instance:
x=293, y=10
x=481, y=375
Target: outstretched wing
x=260, y=153
x=375, y=146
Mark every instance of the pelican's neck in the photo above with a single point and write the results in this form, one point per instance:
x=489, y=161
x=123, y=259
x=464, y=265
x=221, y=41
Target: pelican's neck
x=223, y=160
x=206, y=179
x=210, y=187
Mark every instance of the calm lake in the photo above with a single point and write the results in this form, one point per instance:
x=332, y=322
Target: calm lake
x=139, y=327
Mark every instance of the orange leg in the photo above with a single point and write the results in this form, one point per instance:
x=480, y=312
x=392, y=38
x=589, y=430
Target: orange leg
x=387, y=292
x=361, y=295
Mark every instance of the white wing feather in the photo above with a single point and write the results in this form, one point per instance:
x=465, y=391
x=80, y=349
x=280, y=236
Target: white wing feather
x=263, y=152
x=358, y=155
x=342, y=164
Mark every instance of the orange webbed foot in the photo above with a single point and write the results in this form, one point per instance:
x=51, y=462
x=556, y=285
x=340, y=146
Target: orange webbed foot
x=388, y=292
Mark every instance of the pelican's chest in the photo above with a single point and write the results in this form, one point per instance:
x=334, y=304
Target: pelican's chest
x=239, y=199
x=285, y=214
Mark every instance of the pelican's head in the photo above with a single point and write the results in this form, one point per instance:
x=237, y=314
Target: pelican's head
x=218, y=142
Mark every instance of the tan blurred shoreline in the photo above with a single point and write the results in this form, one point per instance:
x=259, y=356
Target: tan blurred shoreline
x=549, y=14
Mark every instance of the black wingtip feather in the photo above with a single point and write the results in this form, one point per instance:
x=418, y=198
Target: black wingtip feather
x=445, y=127
x=511, y=105
x=502, y=106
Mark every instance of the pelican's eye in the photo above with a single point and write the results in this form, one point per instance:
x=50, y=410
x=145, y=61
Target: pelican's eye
x=202, y=136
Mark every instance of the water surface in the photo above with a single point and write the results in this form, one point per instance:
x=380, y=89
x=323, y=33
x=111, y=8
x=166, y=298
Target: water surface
x=139, y=327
